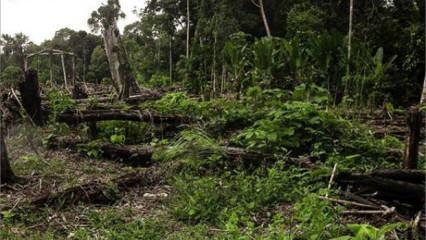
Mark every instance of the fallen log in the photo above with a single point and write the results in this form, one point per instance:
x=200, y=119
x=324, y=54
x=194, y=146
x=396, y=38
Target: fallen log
x=389, y=185
x=252, y=157
x=70, y=142
x=135, y=156
x=142, y=155
x=96, y=192
x=76, y=117
x=128, y=155
x=415, y=176
x=136, y=99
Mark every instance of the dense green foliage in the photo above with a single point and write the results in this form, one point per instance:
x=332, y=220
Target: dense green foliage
x=280, y=97
x=228, y=51
x=228, y=54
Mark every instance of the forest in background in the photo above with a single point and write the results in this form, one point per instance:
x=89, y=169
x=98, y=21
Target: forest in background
x=215, y=119
x=226, y=52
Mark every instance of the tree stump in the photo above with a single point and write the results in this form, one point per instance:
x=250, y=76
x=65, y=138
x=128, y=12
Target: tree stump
x=6, y=173
x=31, y=100
x=414, y=123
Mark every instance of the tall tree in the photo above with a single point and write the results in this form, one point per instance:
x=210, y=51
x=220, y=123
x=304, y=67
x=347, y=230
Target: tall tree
x=98, y=69
x=106, y=19
x=261, y=7
x=14, y=48
x=351, y=7
x=188, y=23
x=423, y=98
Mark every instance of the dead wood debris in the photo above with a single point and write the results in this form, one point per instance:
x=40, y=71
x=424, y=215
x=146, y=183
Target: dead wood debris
x=76, y=117
x=97, y=192
x=386, y=193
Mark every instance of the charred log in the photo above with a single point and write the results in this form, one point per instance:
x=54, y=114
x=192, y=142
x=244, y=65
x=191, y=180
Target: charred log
x=78, y=92
x=415, y=176
x=6, y=173
x=31, y=100
x=391, y=185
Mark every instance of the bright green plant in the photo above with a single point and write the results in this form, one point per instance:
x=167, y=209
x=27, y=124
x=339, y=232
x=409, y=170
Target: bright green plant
x=311, y=93
x=368, y=76
x=317, y=218
x=59, y=102
x=236, y=57
x=11, y=76
x=368, y=232
x=236, y=197
x=159, y=80
x=295, y=127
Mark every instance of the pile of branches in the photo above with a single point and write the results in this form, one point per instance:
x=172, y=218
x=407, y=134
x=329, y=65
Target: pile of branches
x=398, y=193
x=9, y=107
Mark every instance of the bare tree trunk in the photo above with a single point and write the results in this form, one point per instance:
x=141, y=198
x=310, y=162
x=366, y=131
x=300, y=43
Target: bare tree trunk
x=222, y=82
x=6, y=173
x=423, y=98
x=170, y=61
x=350, y=31
x=214, y=64
x=84, y=65
x=73, y=72
x=260, y=5
x=347, y=81
x=187, y=27
x=51, y=68
x=64, y=71
x=123, y=79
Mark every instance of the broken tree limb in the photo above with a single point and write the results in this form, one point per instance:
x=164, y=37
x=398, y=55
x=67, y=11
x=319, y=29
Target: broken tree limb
x=366, y=212
x=75, y=117
x=96, y=192
x=345, y=202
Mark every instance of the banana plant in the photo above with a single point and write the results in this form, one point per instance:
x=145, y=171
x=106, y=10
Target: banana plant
x=236, y=55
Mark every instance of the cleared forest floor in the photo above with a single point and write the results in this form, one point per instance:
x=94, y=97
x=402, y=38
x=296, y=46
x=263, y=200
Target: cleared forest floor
x=230, y=170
